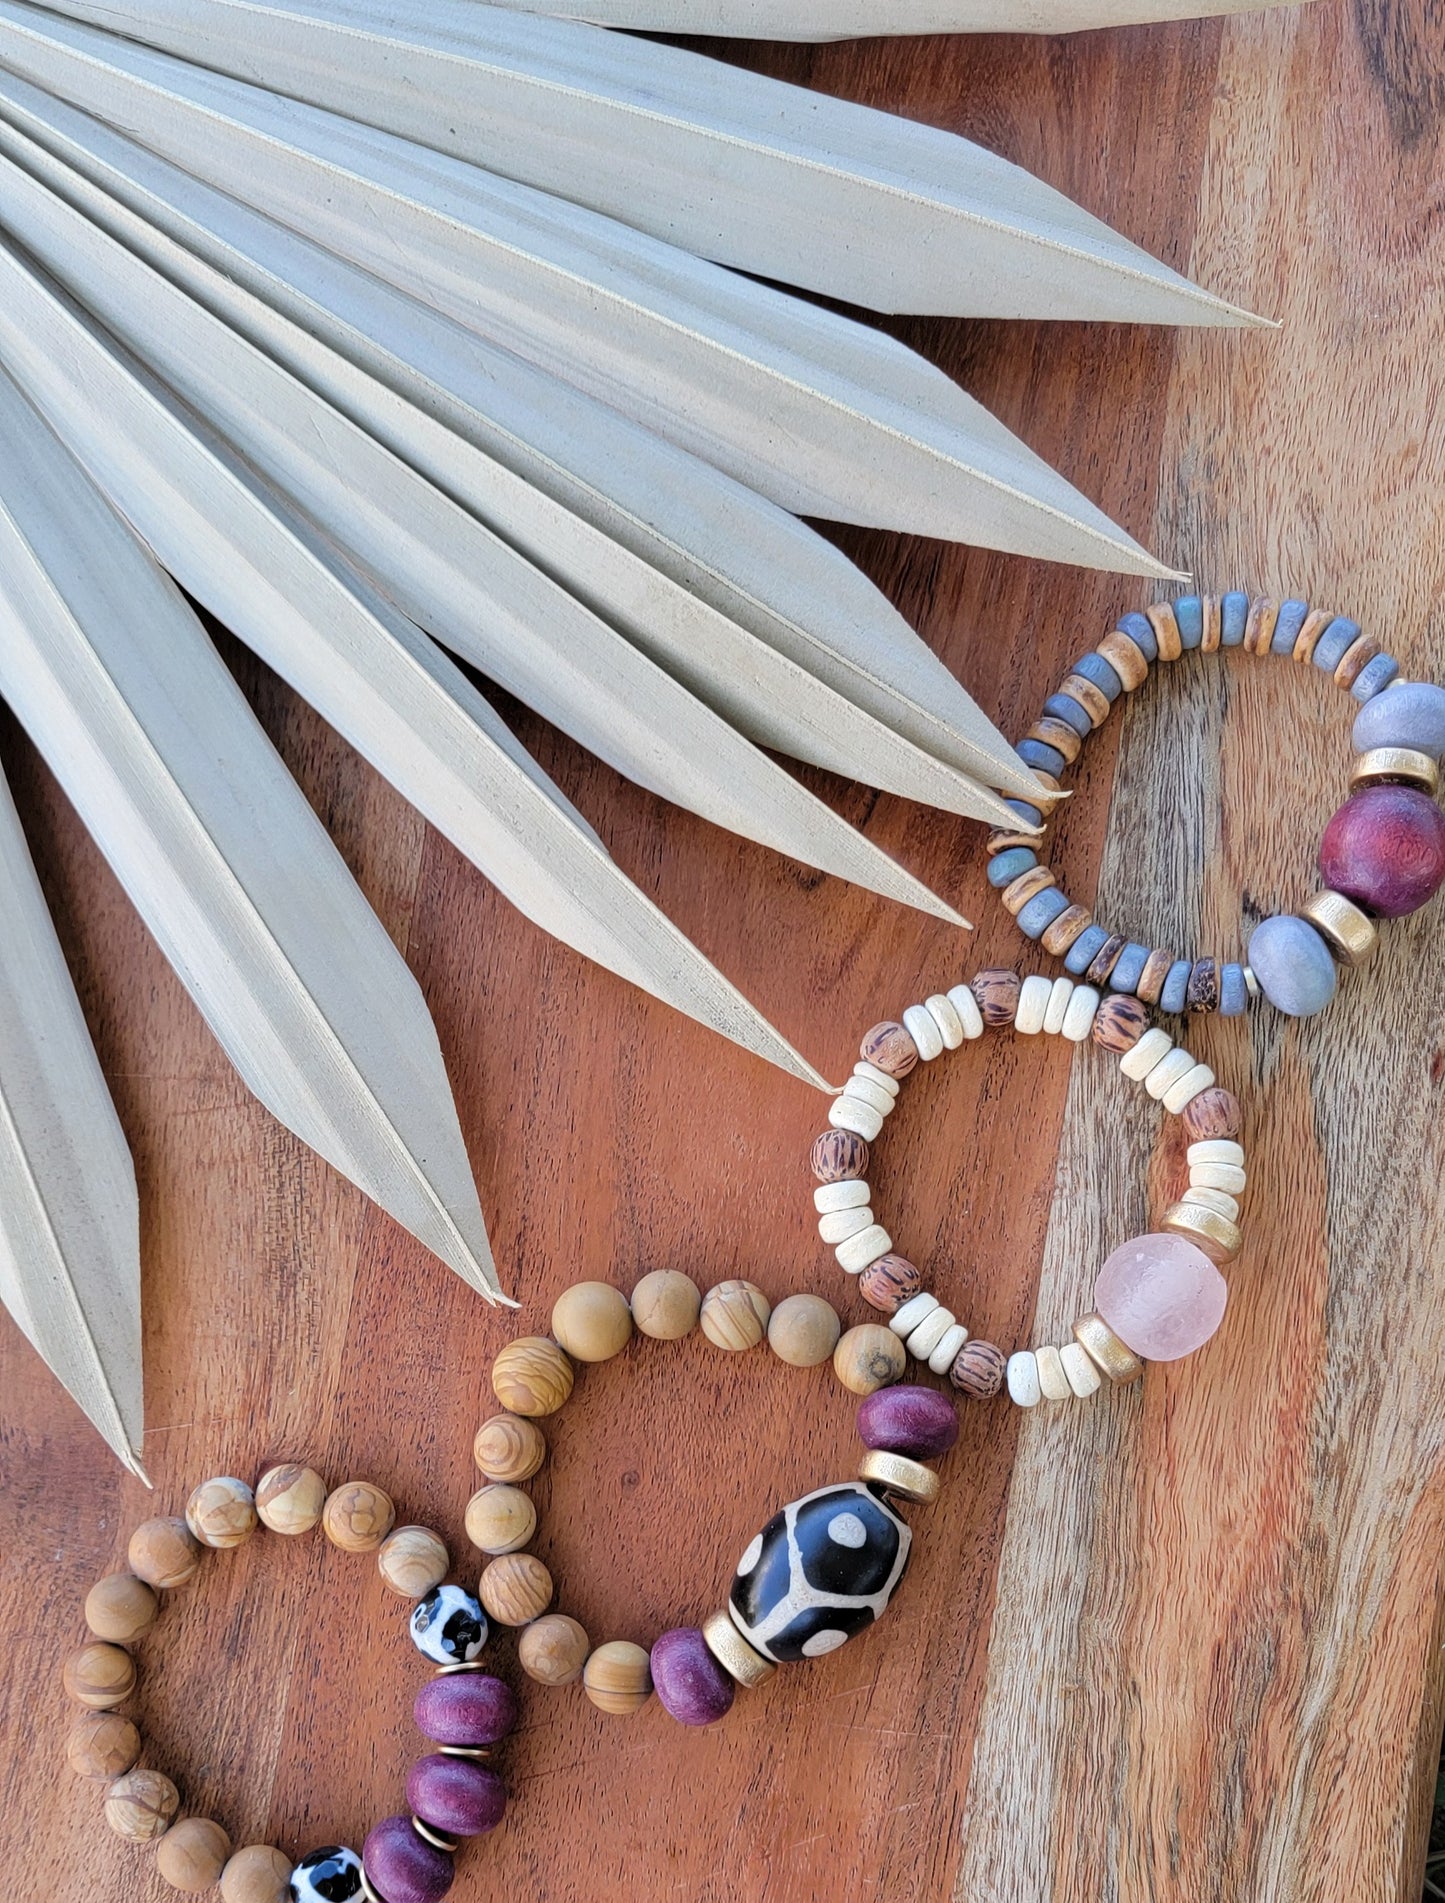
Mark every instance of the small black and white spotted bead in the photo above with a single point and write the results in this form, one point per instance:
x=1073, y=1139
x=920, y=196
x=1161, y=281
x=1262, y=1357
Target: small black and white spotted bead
x=330, y=1875
x=820, y=1572
x=449, y=1626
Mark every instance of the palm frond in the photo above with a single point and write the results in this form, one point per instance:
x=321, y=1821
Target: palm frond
x=816, y=20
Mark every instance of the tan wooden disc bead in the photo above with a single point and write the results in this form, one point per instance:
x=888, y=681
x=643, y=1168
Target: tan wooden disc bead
x=553, y=1649
x=803, y=1330
x=99, y=1676
x=666, y=1305
x=290, y=1499
x=102, y=1744
x=164, y=1553
x=515, y=1588
x=618, y=1677
x=412, y=1560
x=869, y=1357
x=192, y=1854
x=532, y=1376
x=120, y=1608
x=735, y=1315
x=500, y=1519
x=357, y=1516
x=222, y=1512
x=258, y=1873
x=509, y=1449
x=592, y=1321
x=140, y=1804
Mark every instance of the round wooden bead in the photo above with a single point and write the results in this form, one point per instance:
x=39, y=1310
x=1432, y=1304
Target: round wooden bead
x=222, y=1512
x=500, y=1519
x=869, y=1357
x=997, y=994
x=102, y=1744
x=890, y=1048
x=403, y=1864
x=1385, y=849
x=978, y=1370
x=456, y=1796
x=666, y=1303
x=259, y=1873
x=592, y=1321
x=99, y=1676
x=890, y=1282
x=290, y=1499
x=1119, y=1023
x=515, y=1588
x=164, y=1553
x=412, y=1560
x=803, y=1330
x=120, y=1608
x=618, y=1677
x=192, y=1854
x=357, y=1517
x=916, y=1421
x=532, y=1376
x=1213, y=1113
x=553, y=1649
x=509, y=1449
x=735, y=1315
x=139, y=1806
x=836, y=1155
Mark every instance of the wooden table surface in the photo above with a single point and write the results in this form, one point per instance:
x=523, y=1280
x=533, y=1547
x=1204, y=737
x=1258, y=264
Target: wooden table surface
x=1178, y=1644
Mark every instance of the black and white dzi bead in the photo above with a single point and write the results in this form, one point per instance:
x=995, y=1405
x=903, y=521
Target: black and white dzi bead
x=449, y=1626
x=820, y=1572
x=330, y=1875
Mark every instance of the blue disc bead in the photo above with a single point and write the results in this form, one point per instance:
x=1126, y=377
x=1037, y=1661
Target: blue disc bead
x=1335, y=642
x=1175, y=990
x=1189, y=618
x=1233, y=991
x=1141, y=632
x=1085, y=949
x=1039, y=913
x=1375, y=676
x=1293, y=965
x=1030, y=815
x=1129, y=967
x=1292, y=617
x=1093, y=667
x=1064, y=707
x=1233, y=614
x=1005, y=867
x=1040, y=754
x=1411, y=715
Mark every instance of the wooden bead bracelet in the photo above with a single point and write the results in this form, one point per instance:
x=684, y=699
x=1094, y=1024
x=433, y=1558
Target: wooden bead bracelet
x=452, y=1792
x=1382, y=855
x=1158, y=1296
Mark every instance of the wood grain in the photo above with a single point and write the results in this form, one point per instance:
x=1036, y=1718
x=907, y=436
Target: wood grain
x=1175, y=1647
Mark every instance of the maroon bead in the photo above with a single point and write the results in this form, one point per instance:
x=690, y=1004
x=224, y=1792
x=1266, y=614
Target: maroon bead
x=1385, y=849
x=456, y=1796
x=691, y=1684
x=403, y=1868
x=467, y=1708
x=919, y=1422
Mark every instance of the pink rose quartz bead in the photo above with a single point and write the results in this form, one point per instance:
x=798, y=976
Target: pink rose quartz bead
x=1161, y=1296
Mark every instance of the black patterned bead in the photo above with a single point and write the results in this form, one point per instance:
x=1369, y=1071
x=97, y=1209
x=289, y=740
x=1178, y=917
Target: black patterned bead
x=820, y=1572
x=329, y=1875
x=1202, y=991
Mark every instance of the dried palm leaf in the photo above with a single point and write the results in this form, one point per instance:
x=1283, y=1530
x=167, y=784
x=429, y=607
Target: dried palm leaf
x=862, y=19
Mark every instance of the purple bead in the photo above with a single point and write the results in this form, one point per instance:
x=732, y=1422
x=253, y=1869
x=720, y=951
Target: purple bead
x=466, y=1708
x=456, y=1795
x=919, y=1422
x=1385, y=849
x=693, y=1687
x=402, y=1867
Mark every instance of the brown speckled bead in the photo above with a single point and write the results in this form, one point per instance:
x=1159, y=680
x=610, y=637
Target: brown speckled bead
x=1157, y=967
x=890, y=1282
x=1213, y=625
x=1202, y=991
x=1308, y=638
x=1046, y=780
x=1166, y=630
x=889, y=1048
x=996, y=993
x=1355, y=659
x=1213, y=1113
x=1057, y=734
x=1094, y=701
x=1026, y=886
x=1108, y=957
x=839, y=1156
x=1119, y=1023
x=1062, y=931
x=1002, y=841
x=1126, y=658
x=1259, y=626
x=978, y=1370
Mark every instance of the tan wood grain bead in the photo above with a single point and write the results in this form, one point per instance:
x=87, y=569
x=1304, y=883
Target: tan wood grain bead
x=1119, y=1023
x=618, y=1677
x=412, y=1560
x=1001, y=841
x=1213, y=1113
x=553, y=1649
x=1061, y=932
x=222, y=1512
x=515, y=1588
x=1094, y=701
x=890, y=1282
x=1219, y=1238
x=140, y=1804
x=1313, y=626
x=803, y=1330
x=102, y=1744
x=1213, y=625
x=164, y=1553
x=99, y=1675
x=742, y=1663
x=869, y=1357
x=1048, y=783
x=290, y=1499
x=1259, y=625
x=192, y=1855
x=500, y=1519
x=1157, y=967
x=1105, y=959
x=1162, y=620
x=1350, y=933
x=909, y=1479
x=1355, y=659
x=1126, y=658
x=890, y=1048
x=735, y=1315
x=1397, y=766
x=592, y=1321
x=532, y=1376
x=509, y=1449
x=357, y=1516
x=996, y=992
x=1106, y=1351
x=978, y=1370
x=1053, y=1381
x=120, y=1608
x=1017, y=894
x=259, y=1873
x=667, y=1303
x=1059, y=735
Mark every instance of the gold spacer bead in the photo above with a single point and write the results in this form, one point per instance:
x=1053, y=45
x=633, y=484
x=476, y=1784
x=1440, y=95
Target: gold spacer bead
x=1401, y=766
x=1219, y=1238
x=479, y=1753
x=910, y=1479
x=463, y=1665
x=732, y=1651
x=436, y=1838
x=1104, y=1348
x=1351, y=934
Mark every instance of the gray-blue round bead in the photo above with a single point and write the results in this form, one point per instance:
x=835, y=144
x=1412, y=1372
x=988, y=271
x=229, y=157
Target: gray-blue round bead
x=1005, y=867
x=1411, y=715
x=1175, y=991
x=1040, y=912
x=1233, y=991
x=1293, y=965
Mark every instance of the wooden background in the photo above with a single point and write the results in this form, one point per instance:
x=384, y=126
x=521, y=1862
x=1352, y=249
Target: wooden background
x=1177, y=1646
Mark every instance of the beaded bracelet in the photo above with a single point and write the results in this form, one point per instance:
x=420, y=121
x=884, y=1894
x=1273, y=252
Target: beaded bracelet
x=1158, y=1296
x=452, y=1792
x=1382, y=855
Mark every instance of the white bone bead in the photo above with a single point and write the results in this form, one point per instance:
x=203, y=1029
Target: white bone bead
x=945, y=1354
x=1218, y=1200
x=1082, y=1376
x=1033, y=1004
x=1167, y=1072
x=929, y=1332
x=1225, y=1176
x=907, y=1318
x=1079, y=1018
x=875, y=1076
x=847, y=1113
x=1053, y=1382
x=851, y=1193
x=864, y=1090
x=1059, y=995
x=919, y=1023
x=861, y=1251
x=1022, y=1375
x=966, y=1005
x=839, y=1224
x=950, y=1024
x=1188, y=1088
x=1216, y=1150
x=1138, y=1061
